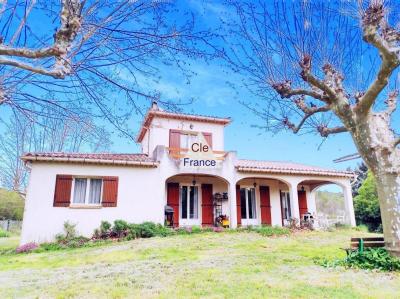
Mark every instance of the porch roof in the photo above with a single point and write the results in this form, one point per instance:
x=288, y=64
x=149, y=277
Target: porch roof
x=287, y=168
x=139, y=160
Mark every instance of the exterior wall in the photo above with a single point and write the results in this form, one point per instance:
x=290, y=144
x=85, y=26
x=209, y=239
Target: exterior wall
x=158, y=134
x=138, y=200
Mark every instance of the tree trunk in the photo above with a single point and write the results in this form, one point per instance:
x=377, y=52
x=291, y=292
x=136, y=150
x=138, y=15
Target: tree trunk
x=388, y=187
x=375, y=142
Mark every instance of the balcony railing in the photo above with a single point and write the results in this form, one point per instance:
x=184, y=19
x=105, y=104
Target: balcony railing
x=179, y=153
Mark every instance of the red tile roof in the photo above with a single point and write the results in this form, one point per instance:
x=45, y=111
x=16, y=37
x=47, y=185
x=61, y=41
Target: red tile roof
x=93, y=158
x=287, y=168
x=171, y=115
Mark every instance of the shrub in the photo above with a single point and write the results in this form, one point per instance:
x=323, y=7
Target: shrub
x=196, y=229
x=4, y=234
x=120, y=228
x=26, y=247
x=105, y=227
x=269, y=231
x=366, y=205
x=69, y=232
x=374, y=258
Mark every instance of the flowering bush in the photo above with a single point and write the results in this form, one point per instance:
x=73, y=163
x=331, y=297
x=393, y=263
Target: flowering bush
x=26, y=247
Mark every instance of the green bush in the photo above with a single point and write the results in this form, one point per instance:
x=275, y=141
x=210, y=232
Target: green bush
x=374, y=258
x=120, y=228
x=105, y=227
x=366, y=205
x=4, y=234
x=269, y=231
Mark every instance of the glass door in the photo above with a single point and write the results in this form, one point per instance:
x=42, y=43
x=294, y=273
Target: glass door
x=248, y=206
x=189, y=205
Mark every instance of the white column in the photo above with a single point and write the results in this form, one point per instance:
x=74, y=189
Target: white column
x=294, y=201
x=311, y=202
x=232, y=200
x=348, y=204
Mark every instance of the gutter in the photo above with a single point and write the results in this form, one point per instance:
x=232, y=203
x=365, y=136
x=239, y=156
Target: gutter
x=91, y=161
x=295, y=171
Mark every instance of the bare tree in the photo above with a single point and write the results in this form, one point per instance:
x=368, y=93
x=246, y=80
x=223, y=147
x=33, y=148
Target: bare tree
x=334, y=65
x=82, y=53
x=44, y=134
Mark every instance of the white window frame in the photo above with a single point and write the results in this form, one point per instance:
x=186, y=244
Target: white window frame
x=286, y=195
x=190, y=221
x=88, y=183
x=252, y=221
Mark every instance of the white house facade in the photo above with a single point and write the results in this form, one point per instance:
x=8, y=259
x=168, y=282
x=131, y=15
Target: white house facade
x=183, y=169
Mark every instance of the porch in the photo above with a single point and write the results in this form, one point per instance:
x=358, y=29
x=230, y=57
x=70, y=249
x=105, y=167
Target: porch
x=206, y=200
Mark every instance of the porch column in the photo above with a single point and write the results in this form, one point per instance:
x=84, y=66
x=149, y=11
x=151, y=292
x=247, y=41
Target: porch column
x=348, y=204
x=232, y=201
x=294, y=202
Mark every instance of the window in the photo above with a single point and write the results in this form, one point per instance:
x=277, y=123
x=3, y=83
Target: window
x=189, y=202
x=248, y=203
x=87, y=191
x=285, y=205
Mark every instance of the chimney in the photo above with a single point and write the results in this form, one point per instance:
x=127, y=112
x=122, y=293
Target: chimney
x=154, y=106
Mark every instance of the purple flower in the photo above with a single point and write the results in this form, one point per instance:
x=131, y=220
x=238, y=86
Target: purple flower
x=26, y=247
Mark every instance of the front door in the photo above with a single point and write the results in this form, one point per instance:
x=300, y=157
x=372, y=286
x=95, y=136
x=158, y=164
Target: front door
x=248, y=206
x=265, y=205
x=189, y=206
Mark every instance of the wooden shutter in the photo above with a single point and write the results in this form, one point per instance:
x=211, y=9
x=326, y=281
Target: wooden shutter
x=265, y=204
x=302, y=203
x=174, y=139
x=238, y=206
x=173, y=200
x=208, y=138
x=62, y=193
x=110, y=191
x=207, y=204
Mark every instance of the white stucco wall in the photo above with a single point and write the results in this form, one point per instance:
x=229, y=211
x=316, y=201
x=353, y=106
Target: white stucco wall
x=140, y=198
x=158, y=134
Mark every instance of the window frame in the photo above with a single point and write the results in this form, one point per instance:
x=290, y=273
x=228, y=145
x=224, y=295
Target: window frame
x=253, y=191
x=87, y=194
x=188, y=203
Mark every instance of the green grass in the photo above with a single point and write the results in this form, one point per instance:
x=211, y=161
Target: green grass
x=211, y=265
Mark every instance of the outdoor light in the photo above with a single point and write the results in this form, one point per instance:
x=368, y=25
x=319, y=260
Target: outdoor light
x=194, y=181
x=302, y=188
x=255, y=184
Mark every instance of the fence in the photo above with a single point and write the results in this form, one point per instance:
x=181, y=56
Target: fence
x=10, y=225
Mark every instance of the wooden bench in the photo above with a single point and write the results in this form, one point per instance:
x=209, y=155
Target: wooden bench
x=361, y=243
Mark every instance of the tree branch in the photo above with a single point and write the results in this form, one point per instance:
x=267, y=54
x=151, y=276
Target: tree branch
x=325, y=131
x=374, y=20
x=285, y=91
x=56, y=73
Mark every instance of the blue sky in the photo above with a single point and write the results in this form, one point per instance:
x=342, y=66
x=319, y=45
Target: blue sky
x=213, y=96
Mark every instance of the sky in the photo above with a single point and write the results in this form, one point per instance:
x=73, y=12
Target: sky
x=213, y=96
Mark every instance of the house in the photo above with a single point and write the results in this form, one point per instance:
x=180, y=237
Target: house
x=183, y=168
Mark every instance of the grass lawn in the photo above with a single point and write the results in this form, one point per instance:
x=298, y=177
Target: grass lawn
x=212, y=265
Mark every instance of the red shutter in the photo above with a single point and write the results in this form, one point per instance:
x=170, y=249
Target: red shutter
x=207, y=204
x=110, y=191
x=174, y=139
x=238, y=205
x=265, y=204
x=62, y=193
x=208, y=138
x=173, y=200
x=302, y=203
